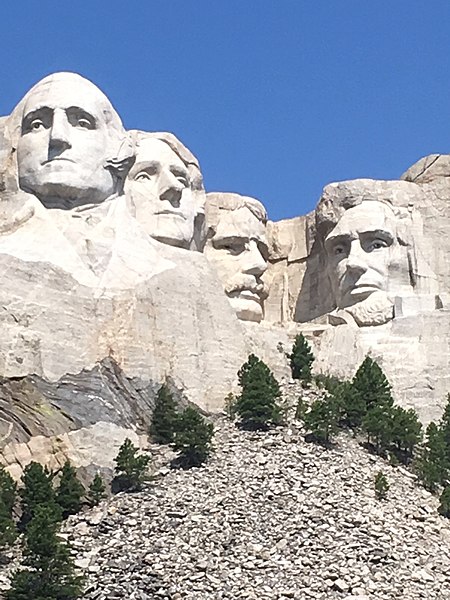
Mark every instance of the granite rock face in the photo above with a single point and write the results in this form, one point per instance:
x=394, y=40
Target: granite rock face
x=119, y=272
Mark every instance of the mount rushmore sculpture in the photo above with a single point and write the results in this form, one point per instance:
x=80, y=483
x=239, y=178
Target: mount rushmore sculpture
x=119, y=272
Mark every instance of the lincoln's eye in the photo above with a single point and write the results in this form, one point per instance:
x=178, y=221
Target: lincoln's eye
x=377, y=244
x=143, y=176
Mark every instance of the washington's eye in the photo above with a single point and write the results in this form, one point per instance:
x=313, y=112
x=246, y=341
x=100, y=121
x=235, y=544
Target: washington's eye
x=36, y=124
x=84, y=123
x=143, y=176
x=338, y=250
x=80, y=118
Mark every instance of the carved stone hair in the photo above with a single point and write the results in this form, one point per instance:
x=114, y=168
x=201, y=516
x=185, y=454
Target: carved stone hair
x=178, y=148
x=226, y=201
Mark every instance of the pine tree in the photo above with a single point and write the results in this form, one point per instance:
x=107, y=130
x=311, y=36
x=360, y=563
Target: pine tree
x=37, y=490
x=322, y=419
x=369, y=387
x=50, y=574
x=257, y=404
x=96, y=492
x=444, y=426
x=70, y=491
x=8, y=531
x=406, y=430
x=131, y=469
x=230, y=406
x=377, y=423
x=164, y=416
x=301, y=409
x=8, y=490
x=381, y=485
x=444, y=506
x=301, y=359
x=192, y=438
x=433, y=466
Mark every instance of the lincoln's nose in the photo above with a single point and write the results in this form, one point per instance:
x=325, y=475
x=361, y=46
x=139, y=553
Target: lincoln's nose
x=356, y=261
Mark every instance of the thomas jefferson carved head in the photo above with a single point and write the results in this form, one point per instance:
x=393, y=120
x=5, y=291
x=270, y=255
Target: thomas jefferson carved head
x=236, y=246
x=67, y=135
x=164, y=189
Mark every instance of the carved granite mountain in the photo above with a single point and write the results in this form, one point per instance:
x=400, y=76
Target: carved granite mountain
x=119, y=272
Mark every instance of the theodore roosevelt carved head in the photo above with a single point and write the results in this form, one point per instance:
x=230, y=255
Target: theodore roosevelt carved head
x=236, y=246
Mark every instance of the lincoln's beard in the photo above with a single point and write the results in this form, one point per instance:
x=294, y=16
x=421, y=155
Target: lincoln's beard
x=376, y=309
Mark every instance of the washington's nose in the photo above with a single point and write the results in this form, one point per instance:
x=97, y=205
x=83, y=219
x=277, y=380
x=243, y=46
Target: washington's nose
x=255, y=264
x=59, y=134
x=171, y=189
x=356, y=260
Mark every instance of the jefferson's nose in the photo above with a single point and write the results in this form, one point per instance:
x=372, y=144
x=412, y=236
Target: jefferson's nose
x=59, y=134
x=171, y=188
x=356, y=260
x=255, y=263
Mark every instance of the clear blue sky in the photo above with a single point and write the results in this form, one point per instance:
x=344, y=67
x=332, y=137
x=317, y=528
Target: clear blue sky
x=276, y=97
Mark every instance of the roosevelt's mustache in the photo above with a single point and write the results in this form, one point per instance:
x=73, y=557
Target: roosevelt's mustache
x=247, y=282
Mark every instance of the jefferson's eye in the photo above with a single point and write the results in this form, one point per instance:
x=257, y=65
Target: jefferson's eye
x=183, y=180
x=143, y=176
x=181, y=176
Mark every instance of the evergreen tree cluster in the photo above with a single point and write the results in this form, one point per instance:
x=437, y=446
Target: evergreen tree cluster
x=48, y=572
x=365, y=404
x=188, y=432
x=62, y=500
x=433, y=464
x=47, y=569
